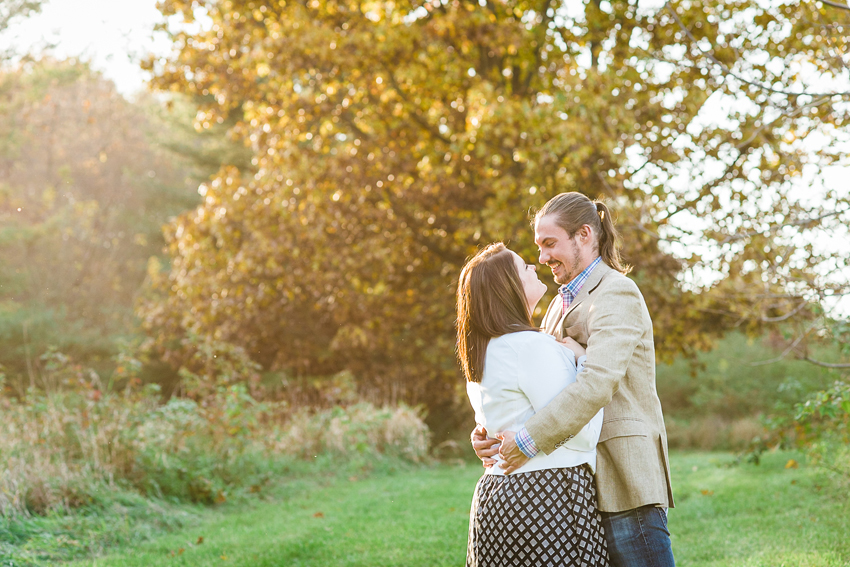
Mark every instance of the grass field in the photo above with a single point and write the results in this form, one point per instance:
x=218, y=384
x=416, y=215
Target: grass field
x=726, y=515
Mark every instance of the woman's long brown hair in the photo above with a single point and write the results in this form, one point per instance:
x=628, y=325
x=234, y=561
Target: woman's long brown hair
x=490, y=303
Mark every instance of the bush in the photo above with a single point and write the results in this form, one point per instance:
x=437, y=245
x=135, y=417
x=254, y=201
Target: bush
x=820, y=426
x=196, y=452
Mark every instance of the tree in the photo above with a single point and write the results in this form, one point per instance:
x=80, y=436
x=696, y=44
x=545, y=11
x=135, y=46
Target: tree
x=392, y=139
x=83, y=195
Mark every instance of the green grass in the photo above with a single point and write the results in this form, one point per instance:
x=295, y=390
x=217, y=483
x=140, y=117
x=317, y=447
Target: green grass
x=116, y=519
x=416, y=517
x=757, y=516
x=726, y=515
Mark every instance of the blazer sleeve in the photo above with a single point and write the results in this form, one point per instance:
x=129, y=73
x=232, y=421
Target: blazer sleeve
x=615, y=326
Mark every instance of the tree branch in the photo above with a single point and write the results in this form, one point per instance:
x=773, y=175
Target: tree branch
x=799, y=222
x=836, y=5
x=785, y=353
x=544, y=26
x=787, y=315
x=741, y=149
x=413, y=114
x=826, y=364
x=729, y=72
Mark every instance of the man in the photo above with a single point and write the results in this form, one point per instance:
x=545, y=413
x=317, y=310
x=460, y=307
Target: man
x=601, y=308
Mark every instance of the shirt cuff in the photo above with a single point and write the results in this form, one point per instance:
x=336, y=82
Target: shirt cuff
x=526, y=443
x=580, y=363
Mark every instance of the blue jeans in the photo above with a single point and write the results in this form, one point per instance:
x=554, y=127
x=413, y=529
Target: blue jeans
x=638, y=538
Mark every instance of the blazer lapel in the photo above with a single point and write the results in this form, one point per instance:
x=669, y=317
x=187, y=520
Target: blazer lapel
x=589, y=286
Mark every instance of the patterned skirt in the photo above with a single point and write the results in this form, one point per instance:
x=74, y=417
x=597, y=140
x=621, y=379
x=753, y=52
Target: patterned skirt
x=538, y=518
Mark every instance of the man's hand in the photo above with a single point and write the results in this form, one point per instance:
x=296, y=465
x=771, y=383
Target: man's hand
x=485, y=447
x=514, y=458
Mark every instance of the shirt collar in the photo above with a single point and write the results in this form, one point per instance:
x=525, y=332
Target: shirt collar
x=570, y=290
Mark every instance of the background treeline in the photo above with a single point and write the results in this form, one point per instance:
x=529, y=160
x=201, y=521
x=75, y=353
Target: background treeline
x=390, y=141
x=280, y=227
x=85, y=191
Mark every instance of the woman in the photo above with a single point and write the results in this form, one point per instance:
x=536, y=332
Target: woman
x=545, y=512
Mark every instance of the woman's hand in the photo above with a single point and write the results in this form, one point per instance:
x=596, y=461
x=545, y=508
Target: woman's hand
x=574, y=346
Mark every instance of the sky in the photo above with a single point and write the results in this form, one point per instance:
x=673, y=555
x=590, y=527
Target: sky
x=114, y=35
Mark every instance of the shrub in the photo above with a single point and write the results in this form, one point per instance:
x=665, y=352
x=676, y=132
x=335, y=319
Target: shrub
x=195, y=452
x=57, y=449
x=820, y=426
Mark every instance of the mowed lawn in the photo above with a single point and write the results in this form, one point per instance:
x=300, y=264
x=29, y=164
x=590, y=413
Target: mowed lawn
x=726, y=515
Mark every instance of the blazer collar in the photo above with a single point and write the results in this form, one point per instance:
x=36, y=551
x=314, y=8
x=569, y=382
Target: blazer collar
x=593, y=281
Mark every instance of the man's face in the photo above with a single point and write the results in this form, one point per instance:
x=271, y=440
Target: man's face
x=557, y=250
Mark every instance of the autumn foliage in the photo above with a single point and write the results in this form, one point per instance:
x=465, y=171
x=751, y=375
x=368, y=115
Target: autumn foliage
x=392, y=139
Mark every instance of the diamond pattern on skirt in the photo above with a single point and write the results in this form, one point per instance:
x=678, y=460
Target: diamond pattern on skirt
x=539, y=518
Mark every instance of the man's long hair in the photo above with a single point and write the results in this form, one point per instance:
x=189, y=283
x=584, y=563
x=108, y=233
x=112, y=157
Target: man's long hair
x=490, y=303
x=573, y=210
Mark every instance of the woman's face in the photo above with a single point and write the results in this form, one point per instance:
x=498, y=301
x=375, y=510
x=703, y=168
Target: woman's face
x=534, y=288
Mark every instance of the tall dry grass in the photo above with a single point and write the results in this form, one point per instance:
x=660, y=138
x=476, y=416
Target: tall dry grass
x=62, y=450
x=358, y=429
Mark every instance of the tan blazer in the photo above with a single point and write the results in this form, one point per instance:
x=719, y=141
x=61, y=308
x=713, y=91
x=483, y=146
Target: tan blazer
x=609, y=315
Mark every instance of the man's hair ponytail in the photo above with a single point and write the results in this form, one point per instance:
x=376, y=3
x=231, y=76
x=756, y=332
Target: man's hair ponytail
x=608, y=237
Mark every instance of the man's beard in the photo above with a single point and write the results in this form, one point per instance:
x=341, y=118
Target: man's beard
x=572, y=273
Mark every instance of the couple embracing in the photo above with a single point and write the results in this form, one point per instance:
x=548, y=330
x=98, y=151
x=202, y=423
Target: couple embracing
x=577, y=471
